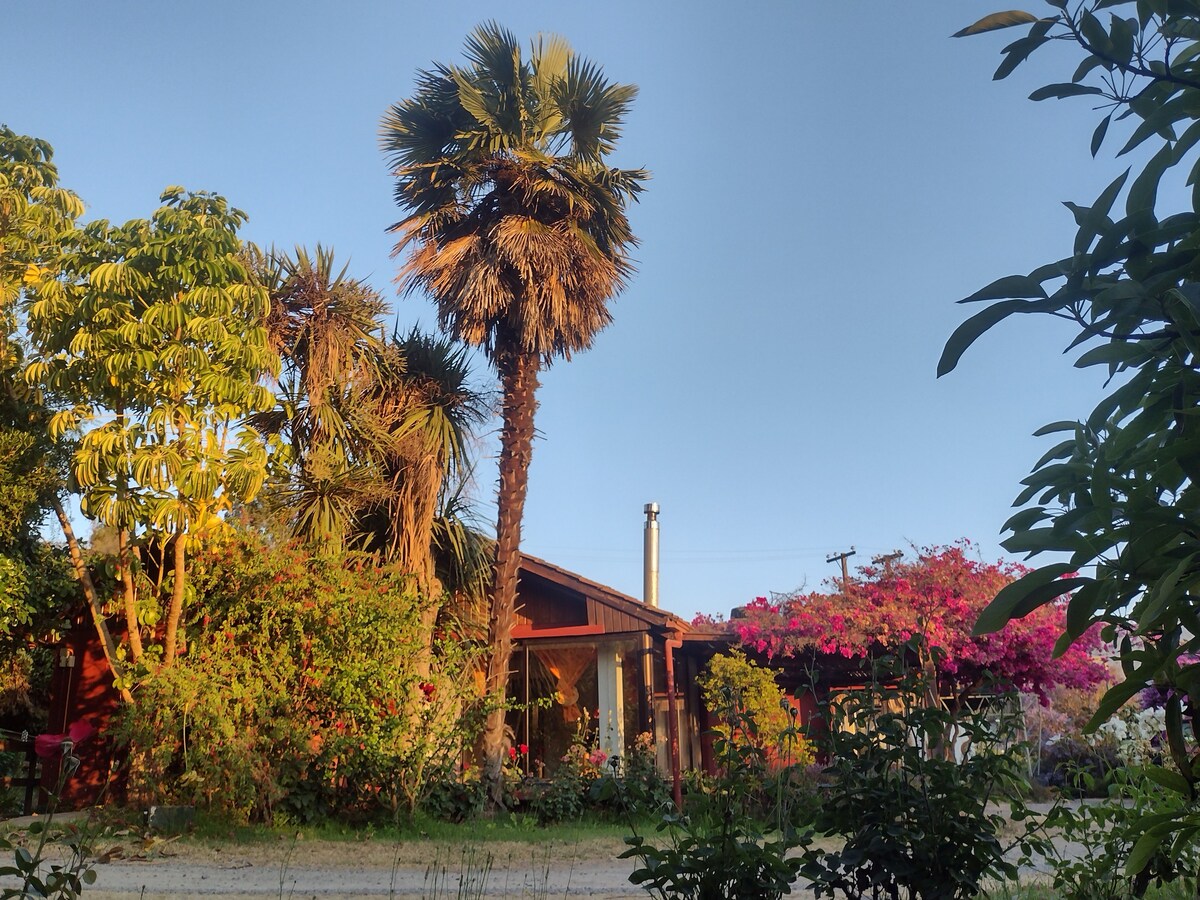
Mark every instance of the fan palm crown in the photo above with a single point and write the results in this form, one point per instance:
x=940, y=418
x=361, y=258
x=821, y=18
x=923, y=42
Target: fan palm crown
x=517, y=226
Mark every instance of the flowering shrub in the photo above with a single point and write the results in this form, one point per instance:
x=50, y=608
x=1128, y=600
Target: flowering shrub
x=1138, y=734
x=565, y=797
x=645, y=788
x=937, y=596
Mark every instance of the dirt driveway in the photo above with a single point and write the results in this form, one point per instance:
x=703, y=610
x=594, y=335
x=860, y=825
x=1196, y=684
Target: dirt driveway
x=296, y=869
x=299, y=869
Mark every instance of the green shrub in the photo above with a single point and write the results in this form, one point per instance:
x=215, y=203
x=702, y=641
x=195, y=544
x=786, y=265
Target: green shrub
x=1102, y=837
x=1065, y=761
x=910, y=820
x=756, y=696
x=455, y=800
x=566, y=795
x=646, y=791
x=721, y=845
x=309, y=689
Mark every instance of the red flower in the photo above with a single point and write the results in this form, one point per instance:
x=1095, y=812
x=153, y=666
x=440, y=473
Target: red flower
x=427, y=689
x=512, y=753
x=524, y=748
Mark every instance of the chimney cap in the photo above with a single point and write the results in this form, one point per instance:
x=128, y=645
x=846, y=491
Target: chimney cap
x=651, y=509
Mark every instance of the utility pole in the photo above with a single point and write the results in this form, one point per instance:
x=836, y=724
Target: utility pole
x=842, y=557
x=886, y=559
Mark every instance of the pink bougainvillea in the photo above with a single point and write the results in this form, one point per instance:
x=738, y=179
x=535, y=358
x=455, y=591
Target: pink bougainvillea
x=938, y=595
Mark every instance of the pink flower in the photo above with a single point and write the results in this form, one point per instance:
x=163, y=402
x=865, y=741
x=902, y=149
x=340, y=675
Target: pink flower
x=48, y=746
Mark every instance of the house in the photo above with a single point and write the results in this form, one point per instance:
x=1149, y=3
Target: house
x=581, y=647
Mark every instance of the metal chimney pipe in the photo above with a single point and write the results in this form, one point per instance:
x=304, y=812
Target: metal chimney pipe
x=650, y=557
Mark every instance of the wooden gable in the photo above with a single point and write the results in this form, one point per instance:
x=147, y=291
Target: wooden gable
x=556, y=602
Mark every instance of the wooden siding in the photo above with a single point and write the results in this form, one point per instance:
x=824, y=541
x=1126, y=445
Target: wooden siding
x=612, y=620
x=544, y=605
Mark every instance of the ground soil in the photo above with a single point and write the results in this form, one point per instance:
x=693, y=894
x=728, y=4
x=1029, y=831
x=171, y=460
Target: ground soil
x=297, y=867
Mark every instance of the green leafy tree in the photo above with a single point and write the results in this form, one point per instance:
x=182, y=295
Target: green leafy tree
x=304, y=693
x=1117, y=494
x=516, y=227
x=151, y=339
x=36, y=217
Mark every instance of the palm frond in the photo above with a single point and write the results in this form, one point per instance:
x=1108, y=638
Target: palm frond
x=592, y=108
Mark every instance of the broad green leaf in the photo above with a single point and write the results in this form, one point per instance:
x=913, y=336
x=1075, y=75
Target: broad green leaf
x=1144, y=191
x=1014, y=287
x=1099, y=133
x=1016, y=53
x=1114, y=698
x=1095, y=34
x=1084, y=607
x=967, y=333
x=1169, y=778
x=1014, y=600
x=995, y=21
x=1161, y=594
x=1066, y=89
x=1116, y=352
x=1143, y=851
x=1057, y=427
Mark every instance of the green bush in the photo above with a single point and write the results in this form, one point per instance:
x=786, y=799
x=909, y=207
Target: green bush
x=910, y=819
x=569, y=791
x=309, y=689
x=455, y=800
x=755, y=695
x=646, y=791
x=722, y=845
x=1102, y=837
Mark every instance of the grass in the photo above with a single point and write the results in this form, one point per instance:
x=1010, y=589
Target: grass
x=508, y=828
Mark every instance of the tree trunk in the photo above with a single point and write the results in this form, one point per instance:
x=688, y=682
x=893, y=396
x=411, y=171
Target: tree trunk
x=412, y=542
x=519, y=381
x=176, y=611
x=84, y=577
x=131, y=616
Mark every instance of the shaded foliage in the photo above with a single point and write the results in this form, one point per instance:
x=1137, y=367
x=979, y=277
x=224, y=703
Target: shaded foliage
x=1116, y=495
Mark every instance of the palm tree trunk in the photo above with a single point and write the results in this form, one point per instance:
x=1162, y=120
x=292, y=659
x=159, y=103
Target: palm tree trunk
x=175, y=612
x=84, y=577
x=519, y=381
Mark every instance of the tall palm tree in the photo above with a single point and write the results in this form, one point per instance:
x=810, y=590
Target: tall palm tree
x=517, y=229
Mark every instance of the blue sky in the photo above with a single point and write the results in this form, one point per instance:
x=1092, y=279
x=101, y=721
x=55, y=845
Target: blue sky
x=828, y=179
